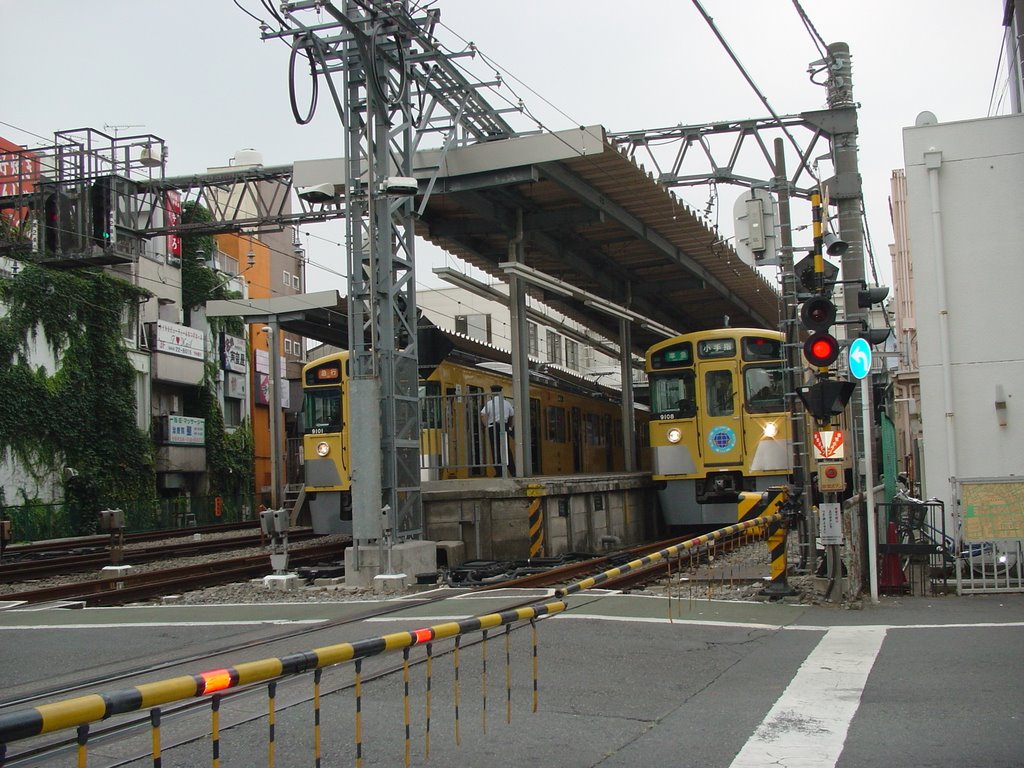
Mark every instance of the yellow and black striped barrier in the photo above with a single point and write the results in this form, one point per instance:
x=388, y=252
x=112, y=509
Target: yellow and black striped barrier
x=536, y=520
x=769, y=504
x=82, y=710
x=777, y=536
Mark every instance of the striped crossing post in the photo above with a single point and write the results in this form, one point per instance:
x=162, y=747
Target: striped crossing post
x=534, y=492
x=779, y=586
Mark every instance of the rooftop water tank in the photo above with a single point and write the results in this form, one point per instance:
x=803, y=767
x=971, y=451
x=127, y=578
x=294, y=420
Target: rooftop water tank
x=247, y=157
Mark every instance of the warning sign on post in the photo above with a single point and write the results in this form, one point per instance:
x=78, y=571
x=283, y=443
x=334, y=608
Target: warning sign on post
x=830, y=523
x=829, y=445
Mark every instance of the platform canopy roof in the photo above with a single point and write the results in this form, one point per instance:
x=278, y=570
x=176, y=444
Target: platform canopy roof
x=602, y=238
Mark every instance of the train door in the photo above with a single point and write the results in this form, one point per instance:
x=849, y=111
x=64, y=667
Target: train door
x=535, y=441
x=721, y=423
x=477, y=458
x=576, y=439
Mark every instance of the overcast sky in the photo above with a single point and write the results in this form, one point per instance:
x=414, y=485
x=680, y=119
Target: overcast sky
x=196, y=73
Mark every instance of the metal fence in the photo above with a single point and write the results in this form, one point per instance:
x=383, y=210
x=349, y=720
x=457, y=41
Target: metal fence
x=453, y=440
x=991, y=566
x=917, y=552
x=39, y=522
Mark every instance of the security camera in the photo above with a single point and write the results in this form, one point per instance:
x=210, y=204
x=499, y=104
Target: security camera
x=265, y=329
x=317, y=193
x=401, y=185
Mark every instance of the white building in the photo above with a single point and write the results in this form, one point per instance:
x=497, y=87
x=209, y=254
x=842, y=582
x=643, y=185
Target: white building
x=965, y=181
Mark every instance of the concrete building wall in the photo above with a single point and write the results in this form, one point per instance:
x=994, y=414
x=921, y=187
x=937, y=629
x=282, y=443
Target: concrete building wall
x=964, y=186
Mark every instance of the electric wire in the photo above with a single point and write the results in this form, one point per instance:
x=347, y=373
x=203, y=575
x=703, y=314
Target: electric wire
x=816, y=38
x=303, y=43
x=750, y=81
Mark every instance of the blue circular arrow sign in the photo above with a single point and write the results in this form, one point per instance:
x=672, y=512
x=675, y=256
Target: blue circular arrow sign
x=860, y=358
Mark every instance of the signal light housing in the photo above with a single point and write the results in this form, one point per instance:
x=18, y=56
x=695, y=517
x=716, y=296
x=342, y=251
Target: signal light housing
x=821, y=349
x=818, y=314
x=826, y=398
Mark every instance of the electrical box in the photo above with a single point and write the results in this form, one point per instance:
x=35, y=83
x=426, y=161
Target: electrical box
x=5, y=531
x=111, y=519
x=273, y=521
x=755, y=225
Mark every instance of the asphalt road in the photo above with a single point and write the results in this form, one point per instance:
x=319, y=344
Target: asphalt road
x=911, y=682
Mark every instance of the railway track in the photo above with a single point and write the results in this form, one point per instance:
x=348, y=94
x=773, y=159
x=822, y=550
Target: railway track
x=54, y=547
x=26, y=569
x=144, y=586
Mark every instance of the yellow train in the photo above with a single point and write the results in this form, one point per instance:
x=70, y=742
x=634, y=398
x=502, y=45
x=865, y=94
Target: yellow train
x=719, y=423
x=575, y=426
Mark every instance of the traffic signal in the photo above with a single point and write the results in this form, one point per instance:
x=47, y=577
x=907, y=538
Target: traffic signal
x=101, y=205
x=867, y=298
x=51, y=224
x=826, y=397
x=817, y=315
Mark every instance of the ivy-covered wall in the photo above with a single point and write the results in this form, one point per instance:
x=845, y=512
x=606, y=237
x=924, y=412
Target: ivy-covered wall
x=83, y=413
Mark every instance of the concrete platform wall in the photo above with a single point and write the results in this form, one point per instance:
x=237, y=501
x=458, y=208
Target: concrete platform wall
x=492, y=516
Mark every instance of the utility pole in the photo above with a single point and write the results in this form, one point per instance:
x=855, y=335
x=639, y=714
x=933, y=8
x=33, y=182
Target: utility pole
x=845, y=190
x=794, y=364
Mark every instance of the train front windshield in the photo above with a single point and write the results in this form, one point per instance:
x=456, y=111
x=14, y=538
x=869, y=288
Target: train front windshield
x=322, y=411
x=673, y=393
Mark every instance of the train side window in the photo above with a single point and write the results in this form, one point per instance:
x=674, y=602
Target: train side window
x=556, y=423
x=719, y=393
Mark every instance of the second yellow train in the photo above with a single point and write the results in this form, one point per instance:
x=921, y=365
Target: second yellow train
x=719, y=422
x=575, y=426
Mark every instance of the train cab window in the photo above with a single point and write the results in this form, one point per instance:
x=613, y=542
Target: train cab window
x=719, y=393
x=673, y=394
x=321, y=411
x=556, y=424
x=764, y=388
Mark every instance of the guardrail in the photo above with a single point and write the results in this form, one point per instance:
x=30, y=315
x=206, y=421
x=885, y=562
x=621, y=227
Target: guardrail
x=82, y=712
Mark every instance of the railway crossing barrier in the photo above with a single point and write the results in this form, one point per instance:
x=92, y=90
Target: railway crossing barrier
x=83, y=712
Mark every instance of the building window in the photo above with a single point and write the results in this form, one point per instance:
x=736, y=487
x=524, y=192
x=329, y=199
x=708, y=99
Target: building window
x=232, y=412
x=572, y=354
x=287, y=279
x=295, y=282
x=475, y=326
x=534, y=341
x=554, y=342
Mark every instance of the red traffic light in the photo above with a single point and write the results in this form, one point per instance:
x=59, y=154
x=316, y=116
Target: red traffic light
x=821, y=350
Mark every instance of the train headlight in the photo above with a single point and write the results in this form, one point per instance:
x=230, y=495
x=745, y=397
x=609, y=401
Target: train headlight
x=322, y=449
x=674, y=435
x=771, y=429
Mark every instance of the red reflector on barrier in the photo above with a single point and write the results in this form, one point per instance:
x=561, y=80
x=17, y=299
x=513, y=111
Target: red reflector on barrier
x=423, y=635
x=216, y=680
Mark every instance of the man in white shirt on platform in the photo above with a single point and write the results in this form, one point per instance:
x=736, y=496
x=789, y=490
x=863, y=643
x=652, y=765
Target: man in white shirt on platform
x=496, y=417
